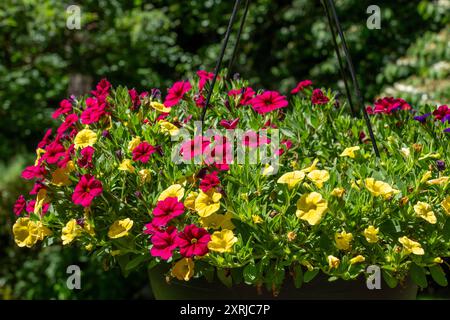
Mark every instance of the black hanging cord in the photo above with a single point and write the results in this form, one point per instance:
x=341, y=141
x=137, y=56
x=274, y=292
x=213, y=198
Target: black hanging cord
x=338, y=54
x=352, y=73
x=238, y=38
x=219, y=60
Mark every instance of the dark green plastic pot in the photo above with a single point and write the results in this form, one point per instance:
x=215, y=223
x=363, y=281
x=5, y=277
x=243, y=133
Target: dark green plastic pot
x=320, y=288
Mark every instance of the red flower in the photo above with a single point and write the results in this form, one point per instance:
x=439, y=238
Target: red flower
x=209, y=181
x=86, y=157
x=143, y=152
x=152, y=228
x=246, y=95
x=54, y=152
x=319, y=98
x=166, y=210
x=102, y=89
x=388, y=105
x=86, y=190
x=204, y=77
x=164, y=243
x=287, y=145
x=254, y=140
x=31, y=204
x=229, y=124
x=68, y=122
x=268, y=101
x=20, y=205
x=37, y=187
x=95, y=109
x=200, y=101
x=193, y=241
x=45, y=140
x=220, y=153
x=301, y=86
x=67, y=156
x=65, y=107
x=135, y=99
x=176, y=93
x=33, y=172
x=441, y=112
x=194, y=148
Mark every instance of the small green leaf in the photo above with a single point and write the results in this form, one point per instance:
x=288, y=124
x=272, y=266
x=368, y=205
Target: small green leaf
x=446, y=230
x=390, y=280
x=310, y=275
x=298, y=276
x=225, y=277
x=134, y=263
x=418, y=275
x=250, y=273
x=438, y=275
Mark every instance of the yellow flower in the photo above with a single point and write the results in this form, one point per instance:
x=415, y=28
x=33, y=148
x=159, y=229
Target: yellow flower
x=343, y=240
x=355, y=185
x=380, y=188
x=217, y=220
x=257, y=219
x=207, y=203
x=426, y=176
x=222, y=241
x=145, y=175
x=40, y=200
x=189, y=202
x=338, y=192
x=291, y=178
x=312, y=167
x=411, y=246
x=27, y=232
x=183, y=269
x=439, y=181
x=89, y=228
x=85, y=138
x=333, y=262
x=371, y=234
x=268, y=170
x=319, y=177
x=175, y=191
x=446, y=205
x=167, y=127
x=357, y=259
x=350, y=152
x=424, y=210
x=120, y=228
x=159, y=107
x=39, y=153
x=70, y=231
x=126, y=165
x=134, y=143
x=311, y=207
x=60, y=177
x=438, y=260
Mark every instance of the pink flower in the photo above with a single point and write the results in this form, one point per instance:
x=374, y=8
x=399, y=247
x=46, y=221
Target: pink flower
x=246, y=95
x=220, y=153
x=143, y=152
x=70, y=120
x=135, y=99
x=166, y=210
x=268, y=101
x=229, y=124
x=152, y=228
x=200, y=100
x=65, y=107
x=67, y=156
x=86, y=157
x=37, y=187
x=204, y=77
x=31, y=204
x=95, y=109
x=209, y=181
x=194, y=148
x=102, y=89
x=86, y=190
x=319, y=98
x=176, y=93
x=193, y=241
x=33, y=172
x=254, y=140
x=54, y=152
x=20, y=205
x=301, y=86
x=441, y=113
x=388, y=105
x=164, y=243
x=162, y=116
x=287, y=145
x=45, y=140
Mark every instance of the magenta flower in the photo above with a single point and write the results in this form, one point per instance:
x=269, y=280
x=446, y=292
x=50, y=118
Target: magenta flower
x=301, y=86
x=135, y=99
x=31, y=204
x=388, y=105
x=37, y=187
x=193, y=241
x=164, y=243
x=220, y=153
x=209, y=181
x=166, y=210
x=287, y=145
x=67, y=156
x=143, y=152
x=95, y=110
x=102, y=89
x=204, y=77
x=70, y=120
x=268, y=101
x=54, y=152
x=45, y=140
x=194, y=148
x=245, y=94
x=319, y=98
x=33, y=172
x=65, y=107
x=442, y=113
x=20, y=205
x=86, y=157
x=86, y=190
x=254, y=140
x=229, y=124
x=176, y=93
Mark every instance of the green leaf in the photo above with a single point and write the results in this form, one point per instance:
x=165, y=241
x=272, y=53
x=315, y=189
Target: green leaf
x=438, y=275
x=446, y=230
x=225, y=278
x=418, y=275
x=310, y=275
x=298, y=276
x=250, y=273
x=390, y=280
x=134, y=263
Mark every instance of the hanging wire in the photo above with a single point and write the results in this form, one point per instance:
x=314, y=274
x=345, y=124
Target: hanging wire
x=219, y=60
x=354, y=79
x=238, y=38
x=338, y=54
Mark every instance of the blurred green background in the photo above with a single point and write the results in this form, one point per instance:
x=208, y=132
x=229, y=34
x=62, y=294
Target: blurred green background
x=150, y=44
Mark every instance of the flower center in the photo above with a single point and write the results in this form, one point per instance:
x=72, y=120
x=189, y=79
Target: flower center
x=194, y=241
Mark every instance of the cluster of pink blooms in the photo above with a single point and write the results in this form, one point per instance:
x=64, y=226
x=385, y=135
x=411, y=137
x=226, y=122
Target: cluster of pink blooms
x=388, y=105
